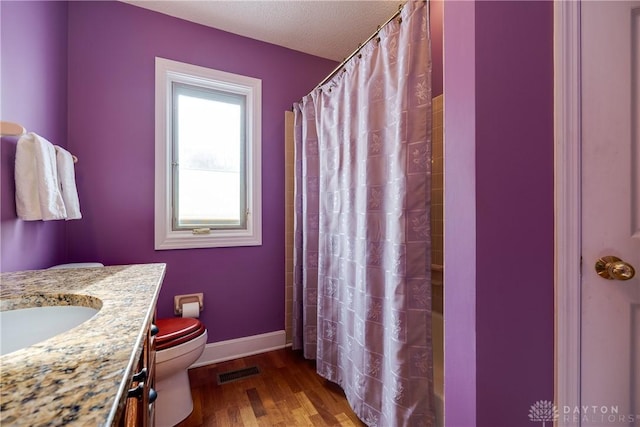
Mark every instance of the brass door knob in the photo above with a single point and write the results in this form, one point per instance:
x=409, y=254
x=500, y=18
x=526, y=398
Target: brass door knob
x=613, y=268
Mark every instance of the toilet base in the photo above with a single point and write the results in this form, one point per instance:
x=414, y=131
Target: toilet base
x=174, y=402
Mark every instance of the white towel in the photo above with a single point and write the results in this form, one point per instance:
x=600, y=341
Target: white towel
x=67, y=179
x=37, y=189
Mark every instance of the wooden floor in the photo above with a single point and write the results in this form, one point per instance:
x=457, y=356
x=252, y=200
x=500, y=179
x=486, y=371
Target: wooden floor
x=287, y=392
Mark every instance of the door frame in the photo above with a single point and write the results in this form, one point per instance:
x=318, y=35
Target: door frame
x=567, y=199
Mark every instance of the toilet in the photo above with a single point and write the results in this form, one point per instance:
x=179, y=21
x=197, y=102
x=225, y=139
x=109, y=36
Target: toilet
x=179, y=343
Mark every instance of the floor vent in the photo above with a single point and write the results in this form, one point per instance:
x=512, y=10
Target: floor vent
x=240, y=374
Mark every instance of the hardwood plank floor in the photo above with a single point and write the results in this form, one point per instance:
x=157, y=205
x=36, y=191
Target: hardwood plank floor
x=286, y=393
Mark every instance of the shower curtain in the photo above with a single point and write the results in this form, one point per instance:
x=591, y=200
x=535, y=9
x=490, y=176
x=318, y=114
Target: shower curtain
x=362, y=288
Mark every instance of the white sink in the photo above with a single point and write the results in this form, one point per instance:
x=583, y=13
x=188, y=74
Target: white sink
x=23, y=327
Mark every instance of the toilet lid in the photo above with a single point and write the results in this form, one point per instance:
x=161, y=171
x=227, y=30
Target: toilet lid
x=177, y=330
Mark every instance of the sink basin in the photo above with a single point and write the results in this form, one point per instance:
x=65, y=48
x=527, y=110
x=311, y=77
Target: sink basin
x=23, y=327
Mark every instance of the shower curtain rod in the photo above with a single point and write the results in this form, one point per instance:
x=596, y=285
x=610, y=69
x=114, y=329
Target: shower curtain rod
x=360, y=46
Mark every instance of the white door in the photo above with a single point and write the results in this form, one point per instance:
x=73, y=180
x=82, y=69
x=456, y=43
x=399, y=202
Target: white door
x=610, y=336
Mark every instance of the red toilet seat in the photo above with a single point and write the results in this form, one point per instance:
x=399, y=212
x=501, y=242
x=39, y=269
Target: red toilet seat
x=176, y=331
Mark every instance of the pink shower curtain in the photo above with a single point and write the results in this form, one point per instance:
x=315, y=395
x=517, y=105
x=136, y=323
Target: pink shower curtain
x=362, y=303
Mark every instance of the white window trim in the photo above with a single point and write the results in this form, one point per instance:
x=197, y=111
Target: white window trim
x=166, y=72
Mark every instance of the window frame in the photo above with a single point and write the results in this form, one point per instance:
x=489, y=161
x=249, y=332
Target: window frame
x=168, y=72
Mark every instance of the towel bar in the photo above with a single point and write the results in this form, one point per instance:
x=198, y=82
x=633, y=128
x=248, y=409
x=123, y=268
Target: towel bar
x=15, y=129
x=11, y=129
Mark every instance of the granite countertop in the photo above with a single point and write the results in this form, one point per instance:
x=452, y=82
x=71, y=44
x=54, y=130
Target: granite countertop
x=79, y=377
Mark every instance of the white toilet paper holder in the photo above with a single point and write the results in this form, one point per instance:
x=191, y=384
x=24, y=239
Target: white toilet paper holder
x=179, y=300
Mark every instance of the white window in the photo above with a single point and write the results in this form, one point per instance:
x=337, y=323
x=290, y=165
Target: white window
x=207, y=158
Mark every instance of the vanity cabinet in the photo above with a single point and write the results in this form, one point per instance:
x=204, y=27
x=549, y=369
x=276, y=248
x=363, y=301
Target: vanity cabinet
x=107, y=349
x=140, y=407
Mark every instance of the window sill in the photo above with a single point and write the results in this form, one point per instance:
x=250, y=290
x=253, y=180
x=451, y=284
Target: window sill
x=215, y=239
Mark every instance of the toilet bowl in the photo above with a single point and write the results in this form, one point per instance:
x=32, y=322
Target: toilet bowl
x=179, y=343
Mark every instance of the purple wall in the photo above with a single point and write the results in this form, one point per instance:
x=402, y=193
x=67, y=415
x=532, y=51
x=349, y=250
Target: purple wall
x=436, y=18
x=33, y=39
x=112, y=48
x=514, y=129
x=512, y=107
x=460, y=214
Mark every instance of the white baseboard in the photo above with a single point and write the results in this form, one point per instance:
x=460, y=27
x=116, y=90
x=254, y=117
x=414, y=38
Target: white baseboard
x=241, y=347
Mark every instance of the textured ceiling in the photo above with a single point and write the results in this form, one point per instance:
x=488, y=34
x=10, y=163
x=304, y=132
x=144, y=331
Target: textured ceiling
x=330, y=29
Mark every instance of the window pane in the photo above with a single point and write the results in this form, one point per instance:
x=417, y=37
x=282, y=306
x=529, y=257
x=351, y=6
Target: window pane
x=209, y=134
